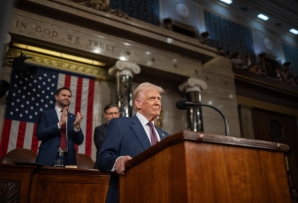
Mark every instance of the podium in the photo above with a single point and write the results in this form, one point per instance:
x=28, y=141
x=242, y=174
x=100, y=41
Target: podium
x=205, y=168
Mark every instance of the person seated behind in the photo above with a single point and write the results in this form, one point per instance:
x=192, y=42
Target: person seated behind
x=246, y=62
x=229, y=55
x=220, y=51
x=261, y=64
x=294, y=195
x=127, y=137
x=285, y=68
x=295, y=81
x=110, y=111
x=236, y=61
x=253, y=68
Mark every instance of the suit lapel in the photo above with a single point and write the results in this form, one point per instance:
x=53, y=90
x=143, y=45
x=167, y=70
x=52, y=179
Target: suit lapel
x=140, y=132
x=160, y=133
x=70, y=121
x=54, y=116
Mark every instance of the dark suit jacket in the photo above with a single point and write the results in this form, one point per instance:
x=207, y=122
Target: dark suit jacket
x=99, y=136
x=124, y=136
x=48, y=132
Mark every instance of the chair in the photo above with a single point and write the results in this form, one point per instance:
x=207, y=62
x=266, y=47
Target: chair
x=19, y=154
x=84, y=161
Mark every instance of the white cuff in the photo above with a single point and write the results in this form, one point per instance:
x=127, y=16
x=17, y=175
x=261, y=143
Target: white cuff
x=114, y=168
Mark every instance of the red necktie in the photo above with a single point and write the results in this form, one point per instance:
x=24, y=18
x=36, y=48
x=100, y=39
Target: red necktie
x=153, y=135
x=63, y=137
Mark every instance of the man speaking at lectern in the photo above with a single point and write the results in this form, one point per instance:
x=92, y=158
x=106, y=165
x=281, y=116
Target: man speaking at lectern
x=128, y=137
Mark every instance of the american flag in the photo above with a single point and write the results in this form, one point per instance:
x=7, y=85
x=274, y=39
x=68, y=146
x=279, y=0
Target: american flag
x=30, y=95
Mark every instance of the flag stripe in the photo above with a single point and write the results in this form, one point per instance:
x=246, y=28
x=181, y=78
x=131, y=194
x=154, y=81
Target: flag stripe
x=35, y=143
x=73, y=86
x=67, y=81
x=61, y=80
x=13, y=137
x=5, y=137
x=89, y=117
x=78, y=96
x=21, y=134
x=83, y=110
x=28, y=135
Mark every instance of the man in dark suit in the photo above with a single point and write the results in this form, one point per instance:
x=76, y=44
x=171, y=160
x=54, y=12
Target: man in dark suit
x=110, y=111
x=128, y=137
x=51, y=124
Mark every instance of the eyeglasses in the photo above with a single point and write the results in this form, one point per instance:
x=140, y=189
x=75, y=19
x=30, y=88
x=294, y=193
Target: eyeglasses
x=111, y=113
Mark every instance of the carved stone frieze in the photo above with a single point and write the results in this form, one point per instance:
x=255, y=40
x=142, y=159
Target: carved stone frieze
x=102, y=5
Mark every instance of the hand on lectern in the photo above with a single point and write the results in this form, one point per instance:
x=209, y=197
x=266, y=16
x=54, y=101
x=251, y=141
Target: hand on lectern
x=120, y=164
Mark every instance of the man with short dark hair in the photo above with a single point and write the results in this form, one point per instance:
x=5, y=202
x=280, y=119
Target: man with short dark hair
x=110, y=111
x=126, y=137
x=58, y=130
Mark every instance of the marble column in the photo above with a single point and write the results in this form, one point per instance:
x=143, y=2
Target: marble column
x=123, y=72
x=192, y=87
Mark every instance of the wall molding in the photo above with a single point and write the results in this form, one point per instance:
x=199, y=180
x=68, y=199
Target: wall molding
x=266, y=106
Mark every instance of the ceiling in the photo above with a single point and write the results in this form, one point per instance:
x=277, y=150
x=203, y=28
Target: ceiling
x=277, y=10
x=283, y=14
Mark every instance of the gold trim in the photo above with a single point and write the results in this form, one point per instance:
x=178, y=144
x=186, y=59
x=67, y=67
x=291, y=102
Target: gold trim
x=267, y=106
x=57, y=63
x=58, y=54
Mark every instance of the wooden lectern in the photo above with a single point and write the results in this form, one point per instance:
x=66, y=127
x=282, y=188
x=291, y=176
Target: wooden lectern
x=200, y=167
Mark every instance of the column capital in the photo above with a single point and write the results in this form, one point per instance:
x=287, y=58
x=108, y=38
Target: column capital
x=193, y=84
x=7, y=39
x=124, y=68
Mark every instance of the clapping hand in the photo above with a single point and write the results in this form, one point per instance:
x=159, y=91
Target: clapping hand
x=77, y=122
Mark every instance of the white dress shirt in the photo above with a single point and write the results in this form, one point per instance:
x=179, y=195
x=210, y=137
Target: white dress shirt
x=146, y=127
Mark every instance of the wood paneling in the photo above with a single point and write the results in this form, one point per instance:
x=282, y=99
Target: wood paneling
x=261, y=119
x=49, y=184
x=15, y=183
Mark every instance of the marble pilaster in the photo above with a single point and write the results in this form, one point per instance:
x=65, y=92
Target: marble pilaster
x=192, y=87
x=124, y=72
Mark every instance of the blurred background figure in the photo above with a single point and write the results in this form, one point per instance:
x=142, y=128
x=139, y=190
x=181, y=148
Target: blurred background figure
x=294, y=196
x=110, y=111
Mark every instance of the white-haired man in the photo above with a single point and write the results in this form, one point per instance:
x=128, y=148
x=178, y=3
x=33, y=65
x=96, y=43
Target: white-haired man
x=128, y=137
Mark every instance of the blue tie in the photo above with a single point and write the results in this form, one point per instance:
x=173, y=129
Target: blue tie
x=153, y=135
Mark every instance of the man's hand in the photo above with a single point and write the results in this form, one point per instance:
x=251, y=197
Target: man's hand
x=77, y=122
x=120, y=164
x=63, y=116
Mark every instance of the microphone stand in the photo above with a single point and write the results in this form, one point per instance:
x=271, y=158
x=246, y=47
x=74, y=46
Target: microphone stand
x=227, y=131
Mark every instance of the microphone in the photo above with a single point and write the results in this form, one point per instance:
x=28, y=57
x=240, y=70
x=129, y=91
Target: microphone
x=184, y=104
